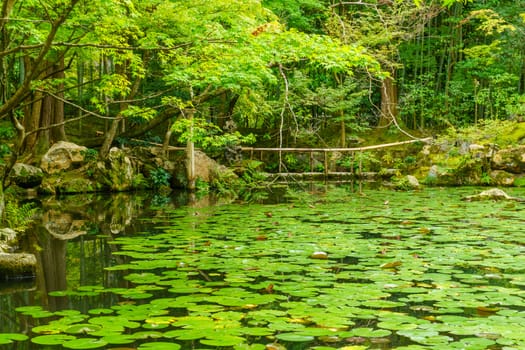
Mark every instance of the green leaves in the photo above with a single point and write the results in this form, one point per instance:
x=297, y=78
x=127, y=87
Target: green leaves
x=203, y=279
x=9, y=338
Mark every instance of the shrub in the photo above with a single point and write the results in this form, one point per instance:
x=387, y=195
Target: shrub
x=159, y=177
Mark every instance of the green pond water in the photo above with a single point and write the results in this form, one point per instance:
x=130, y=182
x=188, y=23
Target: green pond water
x=327, y=268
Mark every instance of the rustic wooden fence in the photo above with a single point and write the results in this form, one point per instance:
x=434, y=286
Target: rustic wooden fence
x=326, y=154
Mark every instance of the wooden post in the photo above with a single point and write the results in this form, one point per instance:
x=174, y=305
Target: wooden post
x=360, y=174
x=352, y=163
x=280, y=160
x=325, y=164
x=311, y=162
x=166, y=143
x=190, y=153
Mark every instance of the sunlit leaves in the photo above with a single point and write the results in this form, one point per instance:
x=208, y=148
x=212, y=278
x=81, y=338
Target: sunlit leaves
x=8, y=338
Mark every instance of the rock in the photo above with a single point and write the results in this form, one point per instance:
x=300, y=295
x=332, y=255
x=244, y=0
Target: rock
x=501, y=178
x=405, y=183
x=5, y=248
x=62, y=156
x=8, y=240
x=17, y=265
x=62, y=225
x=206, y=169
x=26, y=176
x=204, y=166
x=478, y=151
x=412, y=181
x=117, y=171
x=476, y=148
x=8, y=236
x=433, y=173
x=492, y=194
x=510, y=159
x=439, y=176
x=74, y=181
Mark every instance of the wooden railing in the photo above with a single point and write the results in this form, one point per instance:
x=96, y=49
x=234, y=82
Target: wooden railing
x=311, y=151
x=326, y=155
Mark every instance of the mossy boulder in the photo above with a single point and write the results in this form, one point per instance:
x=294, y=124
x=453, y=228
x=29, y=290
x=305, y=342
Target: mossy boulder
x=62, y=156
x=17, y=265
x=206, y=170
x=75, y=181
x=116, y=172
x=502, y=178
x=510, y=159
x=492, y=194
x=26, y=176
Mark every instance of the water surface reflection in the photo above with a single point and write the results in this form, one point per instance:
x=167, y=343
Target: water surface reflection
x=70, y=241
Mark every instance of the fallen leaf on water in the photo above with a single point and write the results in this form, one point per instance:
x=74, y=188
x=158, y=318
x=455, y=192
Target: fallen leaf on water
x=319, y=255
x=391, y=264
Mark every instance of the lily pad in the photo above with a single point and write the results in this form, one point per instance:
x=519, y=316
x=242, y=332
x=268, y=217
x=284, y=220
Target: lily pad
x=8, y=338
x=52, y=339
x=294, y=337
x=84, y=343
x=223, y=341
x=159, y=346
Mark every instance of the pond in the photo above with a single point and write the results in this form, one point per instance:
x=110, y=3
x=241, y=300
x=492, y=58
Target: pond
x=326, y=268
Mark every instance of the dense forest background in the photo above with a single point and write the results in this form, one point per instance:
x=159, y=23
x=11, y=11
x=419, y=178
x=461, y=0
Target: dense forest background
x=271, y=72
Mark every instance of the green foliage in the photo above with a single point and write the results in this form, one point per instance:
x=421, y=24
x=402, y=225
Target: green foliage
x=159, y=177
x=275, y=259
x=137, y=113
x=519, y=182
x=140, y=182
x=201, y=186
x=208, y=136
x=304, y=15
x=487, y=132
x=18, y=217
x=90, y=155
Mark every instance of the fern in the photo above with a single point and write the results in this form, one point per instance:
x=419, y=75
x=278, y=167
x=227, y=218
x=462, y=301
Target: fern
x=18, y=217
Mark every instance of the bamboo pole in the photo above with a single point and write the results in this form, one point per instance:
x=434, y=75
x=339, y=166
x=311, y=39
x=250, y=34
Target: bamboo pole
x=354, y=149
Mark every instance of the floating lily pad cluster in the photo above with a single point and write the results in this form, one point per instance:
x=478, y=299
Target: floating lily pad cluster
x=332, y=270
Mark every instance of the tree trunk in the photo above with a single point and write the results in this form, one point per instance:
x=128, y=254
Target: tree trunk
x=43, y=112
x=109, y=137
x=58, y=132
x=388, y=100
x=2, y=203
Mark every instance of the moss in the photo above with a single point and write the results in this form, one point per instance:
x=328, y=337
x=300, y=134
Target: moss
x=16, y=265
x=519, y=181
x=515, y=136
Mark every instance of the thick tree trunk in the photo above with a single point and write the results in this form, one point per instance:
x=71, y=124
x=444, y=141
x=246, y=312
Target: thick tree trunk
x=58, y=132
x=42, y=113
x=388, y=101
x=32, y=121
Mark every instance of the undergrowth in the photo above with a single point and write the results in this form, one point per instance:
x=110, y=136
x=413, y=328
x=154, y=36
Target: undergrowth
x=19, y=216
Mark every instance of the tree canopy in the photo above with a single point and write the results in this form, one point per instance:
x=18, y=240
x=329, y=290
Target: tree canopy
x=106, y=72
